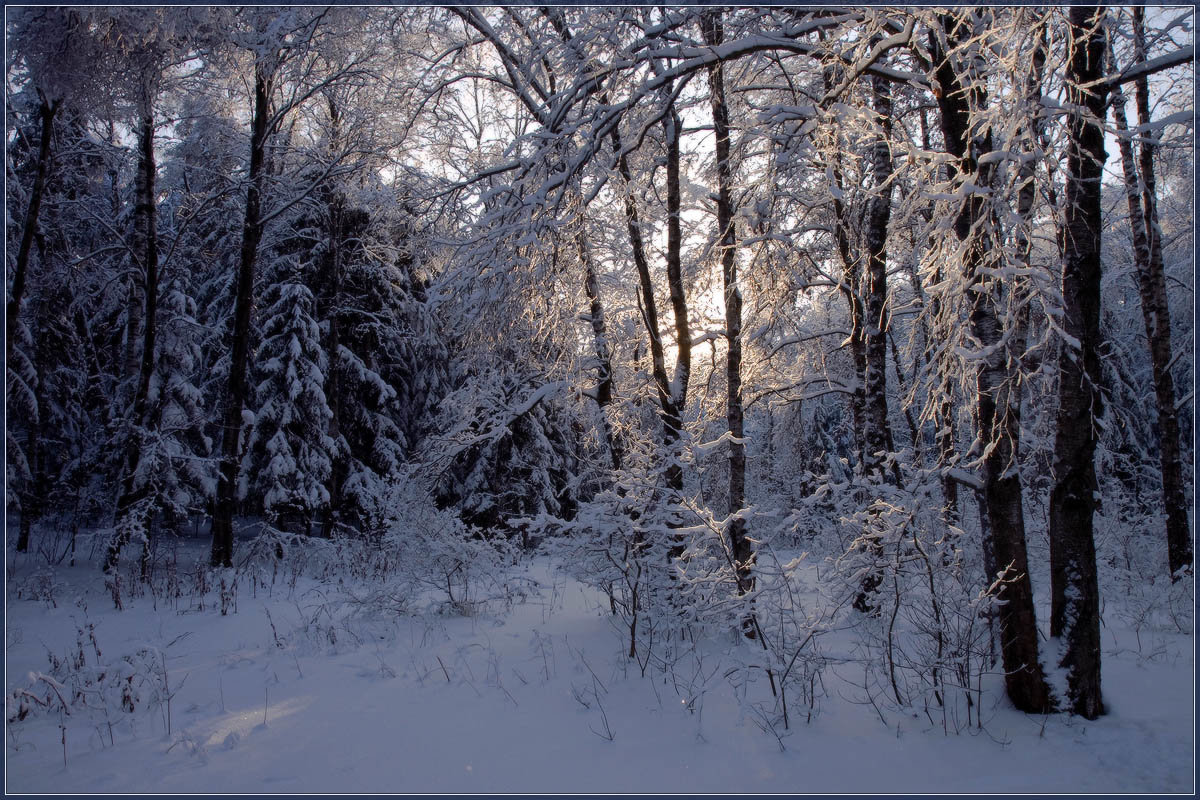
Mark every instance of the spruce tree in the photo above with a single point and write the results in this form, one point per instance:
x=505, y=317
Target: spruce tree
x=290, y=446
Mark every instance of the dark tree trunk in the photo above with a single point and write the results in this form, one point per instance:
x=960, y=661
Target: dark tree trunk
x=1153, y=291
x=877, y=432
x=649, y=307
x=672, y=128
x=999, y=427
x=603, y=393
x=134, y=512
x=852, y=289
x=739, y=542
x=31, y=490
x=333, y=392
x=944, y=439
x=1075, y=602
x=23, y=531
x=671, y=394
x=46, y=112
x=235, y=396
x=1157, y=316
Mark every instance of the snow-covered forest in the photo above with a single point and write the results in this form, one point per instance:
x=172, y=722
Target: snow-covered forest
x=612, y=399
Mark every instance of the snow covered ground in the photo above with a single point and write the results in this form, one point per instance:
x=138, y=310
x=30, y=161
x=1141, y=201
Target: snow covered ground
x=290, y=693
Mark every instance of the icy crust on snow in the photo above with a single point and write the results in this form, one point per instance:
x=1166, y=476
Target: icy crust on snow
x=287, y=694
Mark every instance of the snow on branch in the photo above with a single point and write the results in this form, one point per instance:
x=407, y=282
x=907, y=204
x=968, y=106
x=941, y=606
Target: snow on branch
x=1177, y=59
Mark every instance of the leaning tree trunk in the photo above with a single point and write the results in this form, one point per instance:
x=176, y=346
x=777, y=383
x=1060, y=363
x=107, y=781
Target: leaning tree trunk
x=1153, y=291
x=1075, y=602
x=999, y=429
x=603, y=393
x=1157, y=315
x=649, y=306
x=672, y=393
x=135, y=506
x=46, y=112
x=235, y=394
x=739, y=542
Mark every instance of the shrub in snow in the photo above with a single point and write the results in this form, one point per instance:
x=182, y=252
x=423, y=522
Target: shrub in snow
x=81, y=682
x=674, y=608
x=1131, y=554
x=450, y=566
x=421, y=560
x=929, y=640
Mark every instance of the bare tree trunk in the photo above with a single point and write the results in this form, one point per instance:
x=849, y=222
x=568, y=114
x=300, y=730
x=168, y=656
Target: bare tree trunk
x=877, y=432
x=333, y=391
x=134, y=512
x=603, y=393
x=945, y=422
x=649, y=307
x=235, y=395
x=1152, y=289
x=852, y=289
x=739, y=542
x=1157, y=316
x=23, y=530
x=1075, y=602
x=671, y=393
x=672, y=128
x=999, y=428
x=46, y=112
x=336, y=232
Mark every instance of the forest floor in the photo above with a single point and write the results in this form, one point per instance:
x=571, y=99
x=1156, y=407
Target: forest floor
x=289, y=693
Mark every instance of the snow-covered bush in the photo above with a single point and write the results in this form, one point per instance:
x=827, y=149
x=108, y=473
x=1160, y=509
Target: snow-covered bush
x=421, y=560
x=82, y=682
x=450, y=566
x=927, y=641
x=621, y=543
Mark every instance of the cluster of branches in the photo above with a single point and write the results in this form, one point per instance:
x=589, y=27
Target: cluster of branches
x=938, y=170
x=640, y=259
